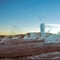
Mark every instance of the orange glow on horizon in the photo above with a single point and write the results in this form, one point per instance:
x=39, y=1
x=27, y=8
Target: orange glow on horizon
x=6, y=33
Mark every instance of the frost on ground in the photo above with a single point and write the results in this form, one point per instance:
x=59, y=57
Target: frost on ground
x=42, y=56
x=49, y=55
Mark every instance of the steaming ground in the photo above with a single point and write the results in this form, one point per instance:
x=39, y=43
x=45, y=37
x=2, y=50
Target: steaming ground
x=30, y=48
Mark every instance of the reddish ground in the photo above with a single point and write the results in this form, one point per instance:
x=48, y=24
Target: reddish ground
x=26, y=49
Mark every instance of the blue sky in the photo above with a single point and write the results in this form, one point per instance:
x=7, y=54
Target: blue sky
x=23, y=16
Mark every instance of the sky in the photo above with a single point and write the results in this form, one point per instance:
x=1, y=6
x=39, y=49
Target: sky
x=23, y=16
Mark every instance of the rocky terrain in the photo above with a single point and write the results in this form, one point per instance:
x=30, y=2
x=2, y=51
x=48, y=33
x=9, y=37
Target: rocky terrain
x=30, y=51
x=30, y=47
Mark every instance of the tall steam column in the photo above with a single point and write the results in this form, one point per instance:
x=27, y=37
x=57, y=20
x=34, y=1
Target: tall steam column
x=42, y=29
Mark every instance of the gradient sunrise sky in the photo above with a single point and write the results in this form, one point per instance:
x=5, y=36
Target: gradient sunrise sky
x=21, y=16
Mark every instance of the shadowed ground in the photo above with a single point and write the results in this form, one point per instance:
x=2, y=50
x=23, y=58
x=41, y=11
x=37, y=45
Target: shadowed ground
x=25, y=51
